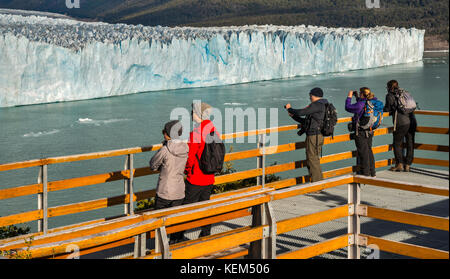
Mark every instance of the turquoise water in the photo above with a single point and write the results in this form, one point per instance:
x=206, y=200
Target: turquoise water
x=39, y=131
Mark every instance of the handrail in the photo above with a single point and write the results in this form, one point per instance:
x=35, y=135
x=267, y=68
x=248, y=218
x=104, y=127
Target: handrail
x=255, y=233
x=125, y=174
x=405, y=249
x=416, y=219
x=412, y=187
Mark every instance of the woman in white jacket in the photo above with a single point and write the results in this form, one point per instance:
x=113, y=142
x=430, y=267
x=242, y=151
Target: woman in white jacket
x=170, y=160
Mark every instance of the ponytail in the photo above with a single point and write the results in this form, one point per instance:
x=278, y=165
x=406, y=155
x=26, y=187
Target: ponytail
x=367, y=93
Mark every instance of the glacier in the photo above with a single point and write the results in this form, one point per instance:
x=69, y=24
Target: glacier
x=45, y=60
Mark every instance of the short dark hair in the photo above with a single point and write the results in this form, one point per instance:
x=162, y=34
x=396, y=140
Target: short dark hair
x=316, y=92
x=169, y=129
x=392, y=85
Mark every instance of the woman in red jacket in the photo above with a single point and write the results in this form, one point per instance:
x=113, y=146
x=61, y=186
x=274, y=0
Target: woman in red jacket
x=198, y=185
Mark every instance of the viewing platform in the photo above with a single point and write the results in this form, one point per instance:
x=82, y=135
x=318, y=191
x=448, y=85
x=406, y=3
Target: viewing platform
x=395, y=215
x=376, y=196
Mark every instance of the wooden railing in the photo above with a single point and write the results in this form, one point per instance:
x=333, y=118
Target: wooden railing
x=261, y=234
x=119, y=226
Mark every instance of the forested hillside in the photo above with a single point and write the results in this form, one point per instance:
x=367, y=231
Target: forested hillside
x=431, y=15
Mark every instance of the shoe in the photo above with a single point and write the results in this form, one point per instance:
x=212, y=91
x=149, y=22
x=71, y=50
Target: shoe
x=398, y=167
x=407, y=168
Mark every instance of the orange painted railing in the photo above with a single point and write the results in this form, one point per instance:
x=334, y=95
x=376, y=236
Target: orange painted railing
x=89, y=228
x=44, y=186
x=137, y=228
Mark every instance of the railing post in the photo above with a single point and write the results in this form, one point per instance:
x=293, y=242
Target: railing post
x=43, y=199
x=261, y=160
x=140, y=245
x=128, y=185
x=265, y=248
x=162, y=243
x=354, y=223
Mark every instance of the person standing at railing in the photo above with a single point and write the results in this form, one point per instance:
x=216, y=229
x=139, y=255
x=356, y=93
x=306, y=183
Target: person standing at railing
x=170, y=160
x=199, y=185
x=401, y=105
x=363, y=132
x=311, y=119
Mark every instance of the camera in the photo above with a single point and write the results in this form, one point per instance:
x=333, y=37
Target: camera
x=301, y=131
x=351, y=127
x=303, y=126
x=355, y=93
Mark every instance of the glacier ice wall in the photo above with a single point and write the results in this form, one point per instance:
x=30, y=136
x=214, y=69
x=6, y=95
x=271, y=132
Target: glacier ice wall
x=46, y=60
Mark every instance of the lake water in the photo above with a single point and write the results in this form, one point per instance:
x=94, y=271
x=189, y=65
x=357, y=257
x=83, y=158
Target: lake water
x=40, y=131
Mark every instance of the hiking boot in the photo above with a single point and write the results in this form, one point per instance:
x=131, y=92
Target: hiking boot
x=398, y=167
x=407, y=168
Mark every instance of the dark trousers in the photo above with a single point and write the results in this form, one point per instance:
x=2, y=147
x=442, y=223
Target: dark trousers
x=196, y=193
x=161, y=203
x=364, y=154
x=405, y=134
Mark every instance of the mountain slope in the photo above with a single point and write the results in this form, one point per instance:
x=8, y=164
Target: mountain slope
x=431, y=15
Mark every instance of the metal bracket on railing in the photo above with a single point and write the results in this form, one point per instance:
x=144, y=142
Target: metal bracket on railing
x=265, y=248
x=43, y=199
x=162, y=243
x=351, y=209
x=351, y=239
x=272, y=239
x=361, y=210
x=140, y=245
x=362, y=241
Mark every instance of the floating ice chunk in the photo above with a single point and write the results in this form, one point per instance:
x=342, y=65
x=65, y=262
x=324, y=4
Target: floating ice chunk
x=99, y=122
x=42, y=133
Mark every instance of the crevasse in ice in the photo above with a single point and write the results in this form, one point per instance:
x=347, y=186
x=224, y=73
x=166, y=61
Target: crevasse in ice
x=46, y=60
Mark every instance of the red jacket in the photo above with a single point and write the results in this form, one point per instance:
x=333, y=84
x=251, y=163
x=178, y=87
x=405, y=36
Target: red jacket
x=196, y=144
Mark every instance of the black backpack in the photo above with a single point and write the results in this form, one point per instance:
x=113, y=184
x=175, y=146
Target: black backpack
x=329, y=120
x=213, y=155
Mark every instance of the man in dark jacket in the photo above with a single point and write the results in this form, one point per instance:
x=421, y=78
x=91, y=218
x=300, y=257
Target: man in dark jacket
x=313, y=122
x=405, y=128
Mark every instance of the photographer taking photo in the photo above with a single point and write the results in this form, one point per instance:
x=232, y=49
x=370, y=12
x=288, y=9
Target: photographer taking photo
x=311, y=119
x=367, y=116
